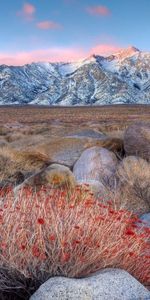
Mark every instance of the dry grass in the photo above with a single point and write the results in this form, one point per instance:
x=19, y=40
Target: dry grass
x=112, y=144
x=127, y=198
x=12, y=161
x=134, y=175
x=54, y=176
x=111, y=117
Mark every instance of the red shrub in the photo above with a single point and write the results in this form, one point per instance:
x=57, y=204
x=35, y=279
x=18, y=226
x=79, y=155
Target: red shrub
x=51, y=233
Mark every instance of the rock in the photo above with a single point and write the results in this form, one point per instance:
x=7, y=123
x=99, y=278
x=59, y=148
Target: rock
x=137, y=140
x=63, y=150
x=146, y=219
x=90, y=133
x=95, y=164
x=134, y=180
x=55, y=176
x=114, y=284
x=97, y=188
x=67, y=150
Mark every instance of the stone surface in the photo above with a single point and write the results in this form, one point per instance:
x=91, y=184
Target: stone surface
x=67, y=150
x=96, y=164
x=108, y=284
x=146, y=219
x=94, y=134
x=63, y=150
x=137, y=140
x=97, y=188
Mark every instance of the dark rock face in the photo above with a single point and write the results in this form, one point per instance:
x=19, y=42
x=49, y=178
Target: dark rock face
x=137, y=140
x=121, y=78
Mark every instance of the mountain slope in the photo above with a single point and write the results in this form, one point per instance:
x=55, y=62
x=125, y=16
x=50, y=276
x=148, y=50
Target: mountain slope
x=120, y=78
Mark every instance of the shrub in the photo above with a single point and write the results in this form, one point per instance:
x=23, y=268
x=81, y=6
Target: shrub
x=134, y=172
x=50, y=233
x=12, y=161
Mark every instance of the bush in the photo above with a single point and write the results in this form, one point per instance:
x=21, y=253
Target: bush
x=50, y=233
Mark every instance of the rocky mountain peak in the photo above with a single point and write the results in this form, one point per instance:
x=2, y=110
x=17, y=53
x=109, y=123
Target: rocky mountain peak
x=96, y=80
x=127, y=52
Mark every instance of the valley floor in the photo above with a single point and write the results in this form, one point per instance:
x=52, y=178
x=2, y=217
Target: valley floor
x=114, y=117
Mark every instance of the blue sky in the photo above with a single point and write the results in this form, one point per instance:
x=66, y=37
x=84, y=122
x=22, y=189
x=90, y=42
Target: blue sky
x=70, y=29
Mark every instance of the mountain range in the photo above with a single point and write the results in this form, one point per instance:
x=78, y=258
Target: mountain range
x=121, y=78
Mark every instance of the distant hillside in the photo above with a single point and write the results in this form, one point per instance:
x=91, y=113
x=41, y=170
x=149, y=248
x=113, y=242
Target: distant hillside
x=122, y=78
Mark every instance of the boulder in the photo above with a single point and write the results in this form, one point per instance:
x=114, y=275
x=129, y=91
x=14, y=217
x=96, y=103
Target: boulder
x=114, y=284
x=97, y=188
x=146, y=220
x=90, y=133
x=137, y=140
x=95, y=164
x=55, y=176
x=67, y=150
x=63, y=150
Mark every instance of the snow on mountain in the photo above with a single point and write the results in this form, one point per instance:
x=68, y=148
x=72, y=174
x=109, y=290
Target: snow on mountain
x=123, y=77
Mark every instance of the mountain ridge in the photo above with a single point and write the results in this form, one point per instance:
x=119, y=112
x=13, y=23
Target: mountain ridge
x=120, y=78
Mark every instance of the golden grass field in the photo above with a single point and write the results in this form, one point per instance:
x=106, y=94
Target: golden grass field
x=31, y=136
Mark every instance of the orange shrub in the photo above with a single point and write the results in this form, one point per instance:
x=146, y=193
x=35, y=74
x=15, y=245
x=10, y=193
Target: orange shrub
x=50, y=232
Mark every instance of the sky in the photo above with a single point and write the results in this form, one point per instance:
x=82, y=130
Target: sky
x=69, y=30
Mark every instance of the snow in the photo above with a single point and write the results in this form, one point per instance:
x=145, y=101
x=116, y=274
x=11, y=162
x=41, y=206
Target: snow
x=69, y=68
x=111, y=66
x=96, y=80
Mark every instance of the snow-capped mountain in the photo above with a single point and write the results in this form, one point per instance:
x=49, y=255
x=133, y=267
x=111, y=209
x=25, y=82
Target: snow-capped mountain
x=120, y=78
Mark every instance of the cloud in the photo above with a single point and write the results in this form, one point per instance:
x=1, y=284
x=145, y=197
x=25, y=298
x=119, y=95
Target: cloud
x=98, y=10
x=46, y=25
x=56, y=54
x=52, y=55
x=27, y=12
x=105, y=49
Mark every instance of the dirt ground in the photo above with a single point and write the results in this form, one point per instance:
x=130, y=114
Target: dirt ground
x=117, y=116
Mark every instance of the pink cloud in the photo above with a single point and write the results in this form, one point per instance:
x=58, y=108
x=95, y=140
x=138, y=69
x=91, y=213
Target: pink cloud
x=56, y=54
x=45, y=25
x=98, y=10
x=51, y=55
x=27, y=12
x=105, y=49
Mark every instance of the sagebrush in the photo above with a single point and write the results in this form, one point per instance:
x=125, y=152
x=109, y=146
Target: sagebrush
x=50, y=233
